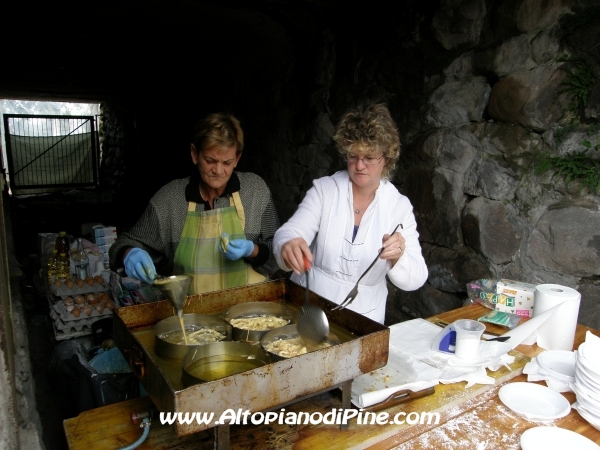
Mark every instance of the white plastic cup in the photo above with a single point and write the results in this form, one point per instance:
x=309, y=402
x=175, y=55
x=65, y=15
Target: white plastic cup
x=105, y=274
x=468, y=337
x=99, y=267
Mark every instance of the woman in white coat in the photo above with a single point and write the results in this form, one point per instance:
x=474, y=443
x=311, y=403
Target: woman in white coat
x=346, y=218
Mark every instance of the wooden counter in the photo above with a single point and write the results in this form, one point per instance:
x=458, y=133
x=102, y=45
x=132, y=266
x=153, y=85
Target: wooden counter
x=471, y=418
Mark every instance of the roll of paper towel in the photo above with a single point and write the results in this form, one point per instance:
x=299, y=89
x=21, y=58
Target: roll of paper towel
x=554, y=320
x=558, y=330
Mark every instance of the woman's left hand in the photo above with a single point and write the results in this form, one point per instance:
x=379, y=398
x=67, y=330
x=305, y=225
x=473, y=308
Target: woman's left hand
x=237, y=249
x=393, y=247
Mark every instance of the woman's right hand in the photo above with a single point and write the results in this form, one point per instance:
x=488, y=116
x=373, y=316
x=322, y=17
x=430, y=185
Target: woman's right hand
x=293, y=253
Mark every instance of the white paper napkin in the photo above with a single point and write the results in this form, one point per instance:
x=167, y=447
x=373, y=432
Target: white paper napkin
x=592, y=343
x=414, y=365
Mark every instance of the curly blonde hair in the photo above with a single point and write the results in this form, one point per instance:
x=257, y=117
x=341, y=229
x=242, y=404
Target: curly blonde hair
x=218, y=130
x=369, y=130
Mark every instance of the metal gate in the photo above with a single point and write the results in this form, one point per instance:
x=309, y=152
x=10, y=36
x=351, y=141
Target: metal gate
x=51, y=151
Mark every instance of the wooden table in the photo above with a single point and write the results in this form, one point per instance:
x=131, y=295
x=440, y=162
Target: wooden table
x=471, y=418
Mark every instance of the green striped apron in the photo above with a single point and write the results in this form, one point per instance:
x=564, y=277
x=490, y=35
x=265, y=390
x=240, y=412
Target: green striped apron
x=198, y=254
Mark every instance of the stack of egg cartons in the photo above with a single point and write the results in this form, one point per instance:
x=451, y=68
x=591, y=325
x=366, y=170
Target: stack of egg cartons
x=104, y=237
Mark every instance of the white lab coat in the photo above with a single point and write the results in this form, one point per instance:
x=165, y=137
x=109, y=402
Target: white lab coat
x=325, y=219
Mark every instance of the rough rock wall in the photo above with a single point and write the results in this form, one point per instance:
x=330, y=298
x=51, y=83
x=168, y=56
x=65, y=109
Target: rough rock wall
x=492, y=99
x=494, y=110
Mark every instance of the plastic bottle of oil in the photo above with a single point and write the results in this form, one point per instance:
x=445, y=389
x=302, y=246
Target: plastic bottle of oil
x=62, y=243
x=63, y=267
x=51, y=267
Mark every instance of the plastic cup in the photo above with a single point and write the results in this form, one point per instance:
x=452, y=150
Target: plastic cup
x=468, y=337
x=99, y=267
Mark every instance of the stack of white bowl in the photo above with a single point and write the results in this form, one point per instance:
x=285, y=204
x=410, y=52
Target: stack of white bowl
x=587, y=383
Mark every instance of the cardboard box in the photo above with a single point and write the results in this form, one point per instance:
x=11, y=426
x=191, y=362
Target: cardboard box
x=101, y=230
x=131, y=283
x=514, y=297
x=86, y=228
x=105, y=240
x=104, y=248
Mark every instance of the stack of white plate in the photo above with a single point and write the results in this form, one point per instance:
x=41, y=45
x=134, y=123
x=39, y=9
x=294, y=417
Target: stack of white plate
x=587, y=384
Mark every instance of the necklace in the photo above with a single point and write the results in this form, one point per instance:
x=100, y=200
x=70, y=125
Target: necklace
x=358, y=210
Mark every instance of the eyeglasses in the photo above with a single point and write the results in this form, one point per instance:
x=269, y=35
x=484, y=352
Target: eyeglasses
x=367, y=160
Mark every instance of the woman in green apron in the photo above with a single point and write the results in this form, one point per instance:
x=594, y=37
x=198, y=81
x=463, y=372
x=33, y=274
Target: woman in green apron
x=181, y=230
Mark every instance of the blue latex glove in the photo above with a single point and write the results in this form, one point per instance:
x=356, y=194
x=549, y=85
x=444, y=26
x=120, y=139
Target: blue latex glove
x=138, y=264
x=237, y=248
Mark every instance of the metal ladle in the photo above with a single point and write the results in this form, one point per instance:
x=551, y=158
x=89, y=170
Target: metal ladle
x=312, y=325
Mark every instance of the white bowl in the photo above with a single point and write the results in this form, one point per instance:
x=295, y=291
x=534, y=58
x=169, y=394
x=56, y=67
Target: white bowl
x=554, y=438
x=558, y=363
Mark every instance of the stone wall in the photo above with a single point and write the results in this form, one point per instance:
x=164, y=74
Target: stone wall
x=491, y=113
x=480, y=92
x=492, y=99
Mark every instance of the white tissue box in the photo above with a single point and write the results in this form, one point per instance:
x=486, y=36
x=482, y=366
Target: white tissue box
x=514, y=297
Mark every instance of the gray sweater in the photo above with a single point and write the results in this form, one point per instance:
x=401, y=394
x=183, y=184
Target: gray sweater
x=159, y=228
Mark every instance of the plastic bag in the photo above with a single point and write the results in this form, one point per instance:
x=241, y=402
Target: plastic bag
x=86, y=387
x=99, y=389
x=63, y=374
x=501, y=318
x=110, y=379
x=482, y=291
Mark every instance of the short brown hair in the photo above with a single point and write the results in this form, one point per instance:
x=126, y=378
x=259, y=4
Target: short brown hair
x=370, y=128
x=218, y=130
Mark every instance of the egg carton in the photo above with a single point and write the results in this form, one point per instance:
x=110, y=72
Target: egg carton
x=61, y=335
x=77, y=324
x=96, y=293
x=59, y=310
x=85, y=289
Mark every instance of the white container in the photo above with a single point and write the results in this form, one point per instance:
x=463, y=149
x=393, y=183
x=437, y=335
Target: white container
x=468, y=337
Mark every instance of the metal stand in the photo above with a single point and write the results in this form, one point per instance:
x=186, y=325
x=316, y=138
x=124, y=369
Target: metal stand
x=222, y=431
x=346, y=398
x=221, y=437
